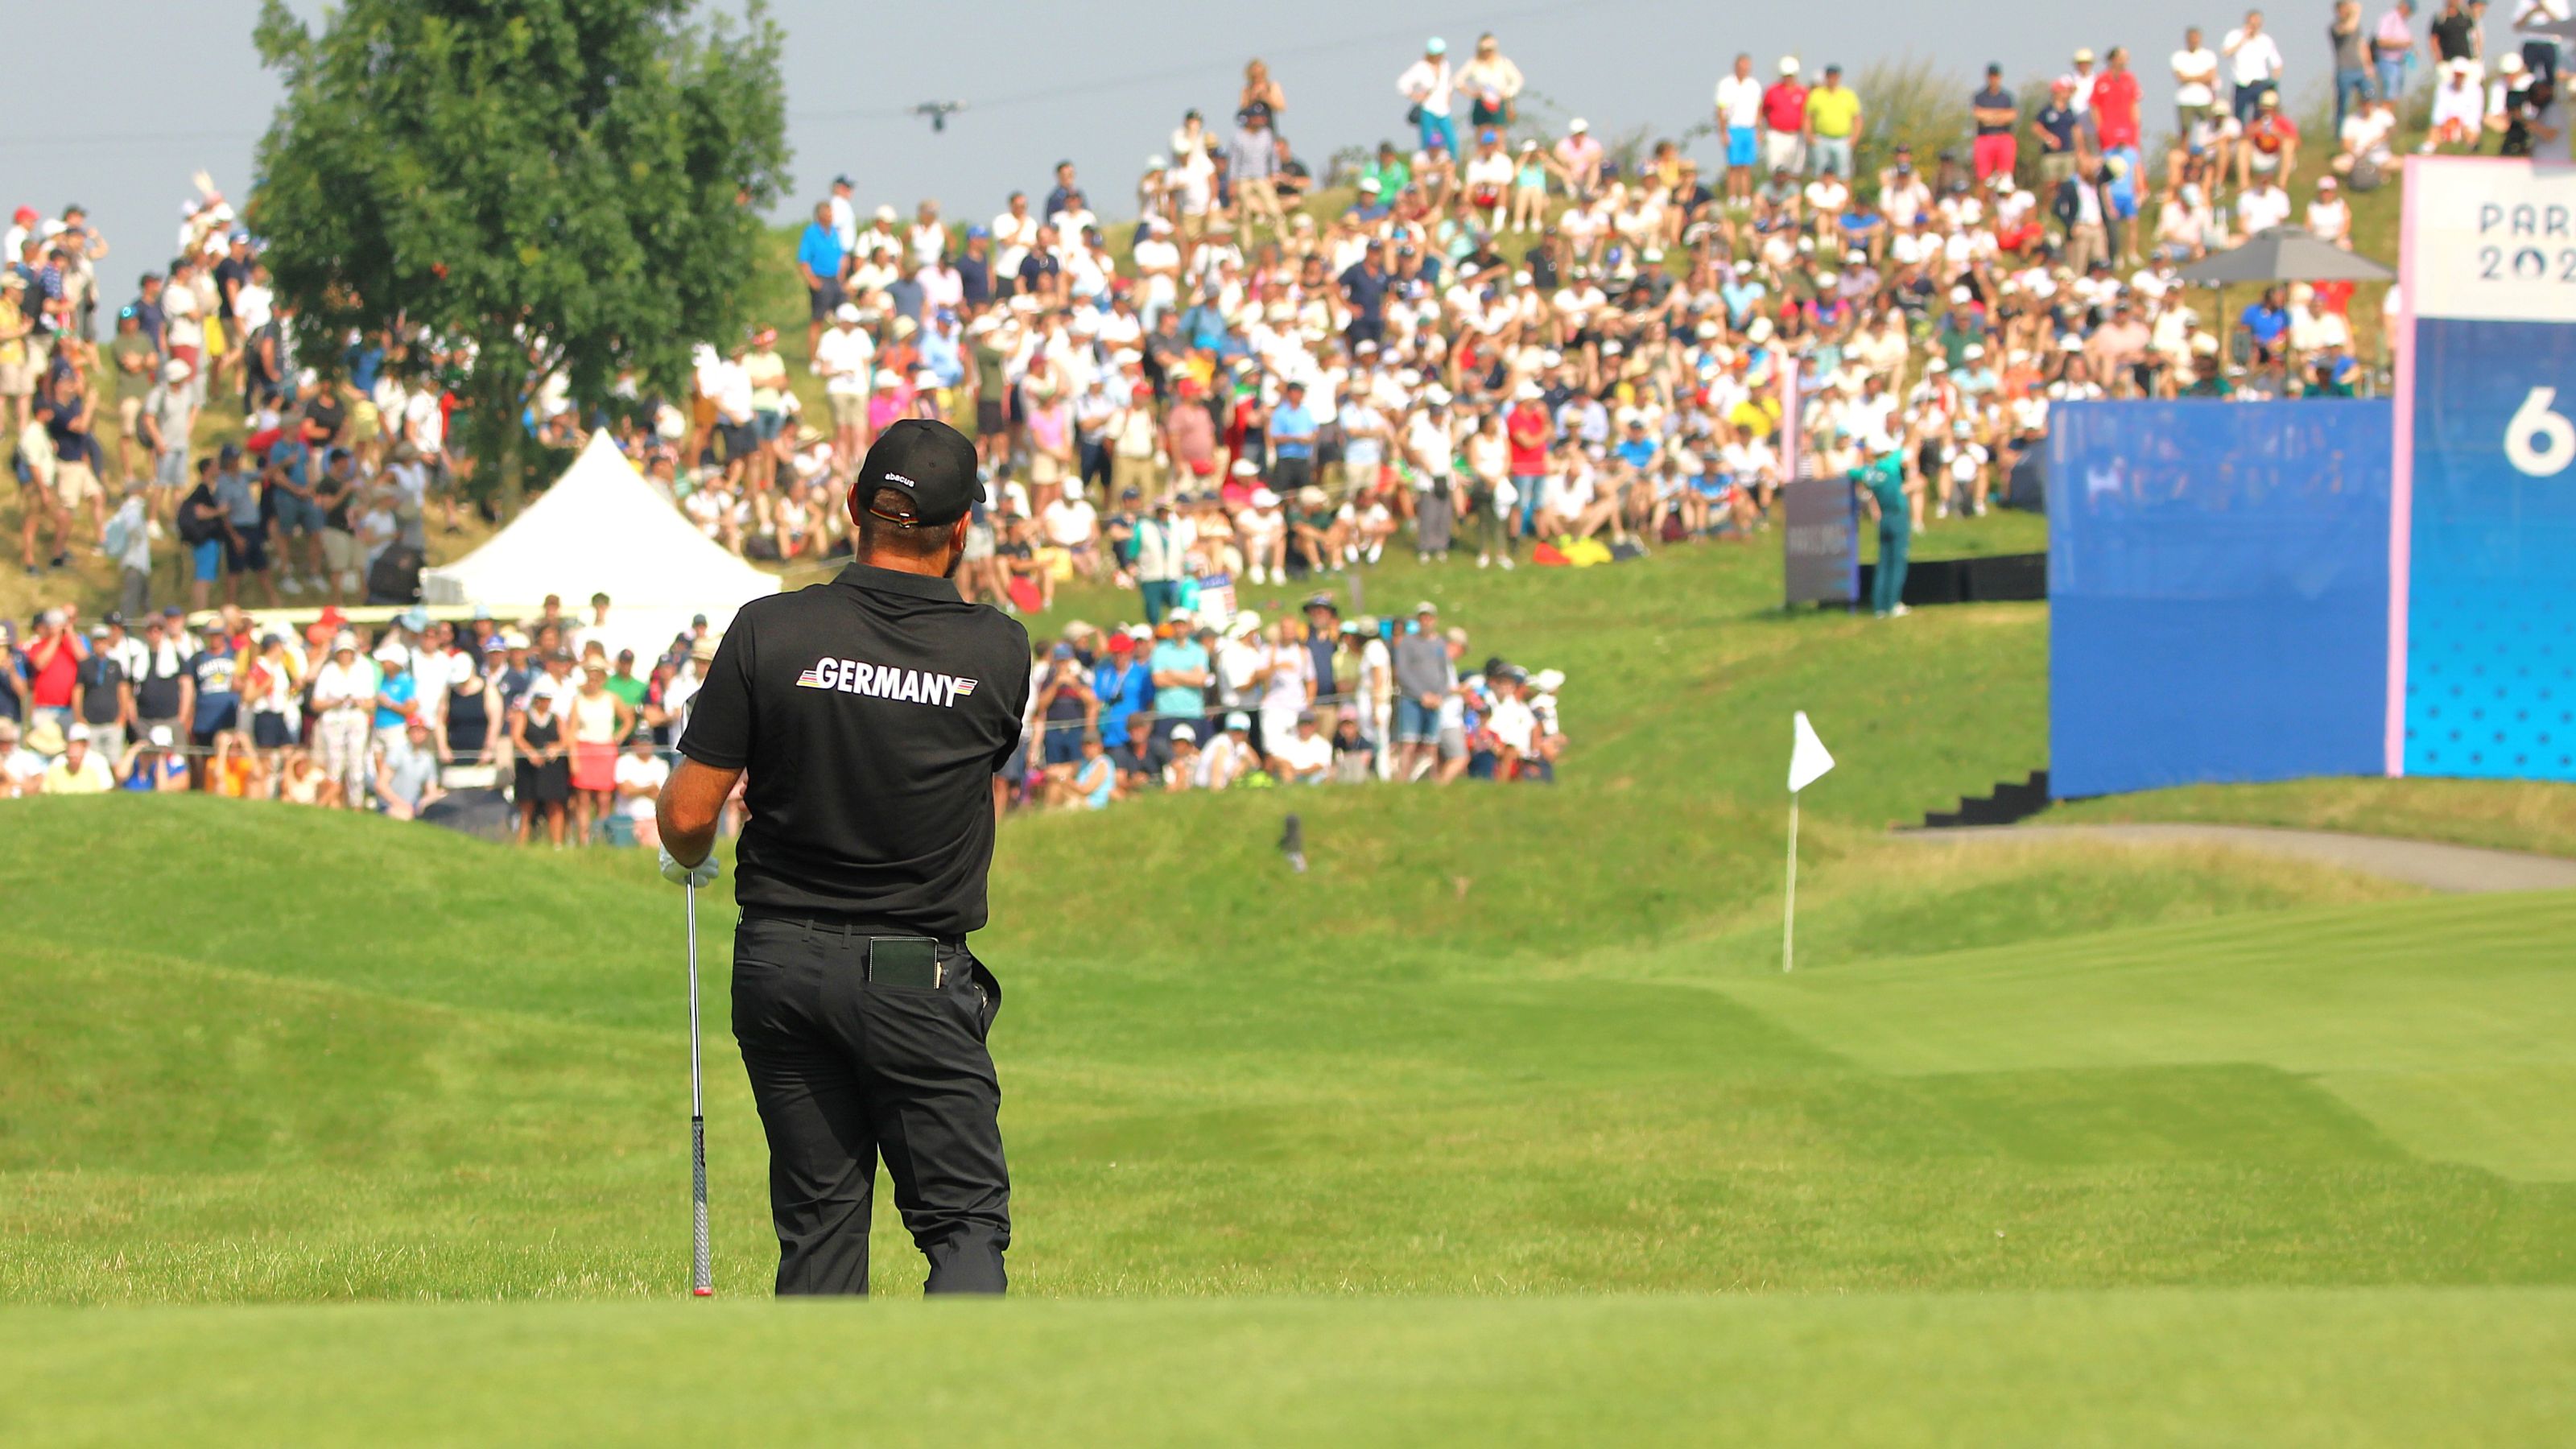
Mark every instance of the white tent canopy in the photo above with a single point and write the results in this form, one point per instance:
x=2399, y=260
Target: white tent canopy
x=602, y=529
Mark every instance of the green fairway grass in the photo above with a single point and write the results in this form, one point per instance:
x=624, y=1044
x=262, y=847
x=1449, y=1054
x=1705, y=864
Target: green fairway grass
x=2402, y=1367
x=2055, y=1142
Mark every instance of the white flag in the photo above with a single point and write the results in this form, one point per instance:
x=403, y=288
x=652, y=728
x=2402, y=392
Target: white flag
x=1808, y=760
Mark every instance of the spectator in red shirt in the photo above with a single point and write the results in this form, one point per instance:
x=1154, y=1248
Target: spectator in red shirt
x=1997, y=120
x=2115, y=110
x=1531, y=432
x=54, y=657
x=1784, y=117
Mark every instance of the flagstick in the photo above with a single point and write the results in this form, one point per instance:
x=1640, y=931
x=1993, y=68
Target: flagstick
x=1789, y=918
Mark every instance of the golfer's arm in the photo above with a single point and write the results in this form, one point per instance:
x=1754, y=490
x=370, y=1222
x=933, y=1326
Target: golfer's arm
x=690, y=806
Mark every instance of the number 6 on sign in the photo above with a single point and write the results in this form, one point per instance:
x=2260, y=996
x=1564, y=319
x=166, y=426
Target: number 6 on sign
x=2538, y=442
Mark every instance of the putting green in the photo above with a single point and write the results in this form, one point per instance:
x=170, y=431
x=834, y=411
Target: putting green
x=2329, y=1369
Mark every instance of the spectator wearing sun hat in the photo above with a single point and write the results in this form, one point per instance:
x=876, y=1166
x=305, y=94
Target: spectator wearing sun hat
x=1429, y=85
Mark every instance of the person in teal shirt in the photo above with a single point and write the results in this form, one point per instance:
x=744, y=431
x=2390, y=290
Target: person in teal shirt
x=1882, y=485
x=397, y=692
x=1181, y=676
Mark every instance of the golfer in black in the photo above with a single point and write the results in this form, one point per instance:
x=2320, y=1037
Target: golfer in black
x=868, y=717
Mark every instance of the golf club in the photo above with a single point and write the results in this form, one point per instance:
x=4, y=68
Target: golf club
x=701, y=1272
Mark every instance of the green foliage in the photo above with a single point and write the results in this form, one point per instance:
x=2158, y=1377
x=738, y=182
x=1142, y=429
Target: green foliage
x=569, y=185
x=1913, y=102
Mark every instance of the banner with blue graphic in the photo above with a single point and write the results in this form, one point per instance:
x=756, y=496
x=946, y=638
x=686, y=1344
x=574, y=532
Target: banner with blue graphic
x=2491, y=610
x=2483, y=668
x=2218, y=592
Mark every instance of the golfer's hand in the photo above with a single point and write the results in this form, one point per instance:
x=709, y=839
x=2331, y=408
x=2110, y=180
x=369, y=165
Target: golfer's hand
x=703, y=873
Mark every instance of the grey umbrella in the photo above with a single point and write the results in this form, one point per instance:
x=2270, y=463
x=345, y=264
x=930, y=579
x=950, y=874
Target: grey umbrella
x=2285, y=254
x=2281, y=254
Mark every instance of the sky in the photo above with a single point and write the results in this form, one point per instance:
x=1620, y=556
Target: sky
x=1101, y=83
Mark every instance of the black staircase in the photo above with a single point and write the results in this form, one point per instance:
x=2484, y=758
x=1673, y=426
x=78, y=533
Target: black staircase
x=2011, y=803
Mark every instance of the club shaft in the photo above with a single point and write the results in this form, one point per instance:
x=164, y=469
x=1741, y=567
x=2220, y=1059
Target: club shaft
x=701, y=1265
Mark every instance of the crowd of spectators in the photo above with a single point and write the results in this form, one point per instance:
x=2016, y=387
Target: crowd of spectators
x=336, y=715
x=1511, y=340
x=1503, y=338
x=1188, y=704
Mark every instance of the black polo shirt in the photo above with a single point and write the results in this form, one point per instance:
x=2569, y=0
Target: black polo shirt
x=869, y=715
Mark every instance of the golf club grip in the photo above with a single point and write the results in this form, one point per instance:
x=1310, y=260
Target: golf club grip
x=701, y=1279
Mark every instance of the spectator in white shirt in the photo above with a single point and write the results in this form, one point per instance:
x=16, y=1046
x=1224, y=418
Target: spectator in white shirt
x=1304, y=756
x=2254, y=64
x=2195, y=73
x=641, y=774
x=2459, y=109
x=2263, y=206
x=2329, y=217
x=1427, y=83
x=845, y=358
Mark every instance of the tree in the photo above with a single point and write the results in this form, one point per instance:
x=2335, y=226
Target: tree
x=549, y=185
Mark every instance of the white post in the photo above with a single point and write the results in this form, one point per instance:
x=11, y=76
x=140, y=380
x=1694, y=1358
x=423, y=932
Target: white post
x=1789, y=917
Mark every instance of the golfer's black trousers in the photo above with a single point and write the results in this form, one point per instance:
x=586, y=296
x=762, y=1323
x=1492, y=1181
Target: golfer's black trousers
x=844, y=1071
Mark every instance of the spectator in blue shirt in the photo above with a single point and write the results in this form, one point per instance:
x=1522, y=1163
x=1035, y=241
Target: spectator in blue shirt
x=1066, y=196
x=397, y=693
x=2267, y=322
x=1364, y=287
x=940, y=351
x=975, y=268
x=1292, y=440
x=1371, y=206
x=818, y=261
x=1636, y=449
x=1125, y=685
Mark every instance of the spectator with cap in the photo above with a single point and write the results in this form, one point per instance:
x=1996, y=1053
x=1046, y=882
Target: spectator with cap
x=1834, y=125
x=51, y=661
x=1423, y=678
x=79, y=769
x=397, y=695
x=543, y=787
x=1784, y=118
x=1302, y=756
x=1123, y=688
x=1430, y=85
x=343, y=701
x=1181, y=673
x=211, y=695
x=152, y=764
x=1254, y=168
x=103, y=691
x=406, y=773
x=1997, y=120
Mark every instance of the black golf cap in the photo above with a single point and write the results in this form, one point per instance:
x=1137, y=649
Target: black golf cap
x=931, y=462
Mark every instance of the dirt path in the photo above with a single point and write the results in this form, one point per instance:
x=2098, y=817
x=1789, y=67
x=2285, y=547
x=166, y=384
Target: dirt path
x=2459, y=869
